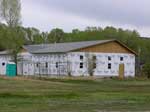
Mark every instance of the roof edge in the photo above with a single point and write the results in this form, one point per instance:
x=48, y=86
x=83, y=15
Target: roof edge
x=134, y=52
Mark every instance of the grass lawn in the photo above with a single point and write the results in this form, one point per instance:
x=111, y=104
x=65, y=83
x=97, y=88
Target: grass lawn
x=73, y=95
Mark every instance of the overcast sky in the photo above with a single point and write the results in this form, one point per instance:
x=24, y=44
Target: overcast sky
x=70, y=14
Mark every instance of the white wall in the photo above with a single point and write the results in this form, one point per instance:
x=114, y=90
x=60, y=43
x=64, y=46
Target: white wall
x=71, y=62
x=74, y=60
x=4, y=59
x=102, y=64
x=44, y=64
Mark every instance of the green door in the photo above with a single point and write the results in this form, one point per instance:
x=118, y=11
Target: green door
x=11, y=70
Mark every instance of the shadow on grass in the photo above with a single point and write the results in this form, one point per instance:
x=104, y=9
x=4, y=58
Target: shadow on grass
x=71, y=80
x=62, y=95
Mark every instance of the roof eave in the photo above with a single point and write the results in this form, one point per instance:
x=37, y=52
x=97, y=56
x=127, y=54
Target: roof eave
x=127, y=47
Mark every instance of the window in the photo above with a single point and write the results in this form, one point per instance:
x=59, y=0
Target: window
x=81, y=57
x=37, y=65
x=109, y=58
x=46, y=65
x=56, y=64
x=109, y=66
x=3, y=64
x=81, y=65
x=121, y=58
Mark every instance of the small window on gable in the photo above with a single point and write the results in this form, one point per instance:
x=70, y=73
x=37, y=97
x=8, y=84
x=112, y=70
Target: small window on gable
x=121, y=58
x=81, y=57
x=109, y=66
x=3, y=64
x=109, y=58
x=81, y=65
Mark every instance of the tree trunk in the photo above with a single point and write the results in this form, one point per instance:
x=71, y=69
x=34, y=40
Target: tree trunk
x=15, y=61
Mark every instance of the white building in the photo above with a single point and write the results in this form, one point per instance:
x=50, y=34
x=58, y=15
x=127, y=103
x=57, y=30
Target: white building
x=97, y=58
x=5, y=58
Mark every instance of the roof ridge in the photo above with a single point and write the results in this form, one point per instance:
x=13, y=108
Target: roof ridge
x=69, y=42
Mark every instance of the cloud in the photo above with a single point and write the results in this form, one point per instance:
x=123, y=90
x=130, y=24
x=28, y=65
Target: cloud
x=135, y=12
x=47, y=18
x=69, y=14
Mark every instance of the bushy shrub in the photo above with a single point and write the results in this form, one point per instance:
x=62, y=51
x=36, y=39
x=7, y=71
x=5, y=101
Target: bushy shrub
x=146, y=70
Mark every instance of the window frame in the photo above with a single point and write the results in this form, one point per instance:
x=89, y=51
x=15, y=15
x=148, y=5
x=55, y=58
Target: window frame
x=81, y=66
x=109, y=58
x=81, y=57
x=121, y=59
x=46, y=64
x=57, y=65
x=37, y=65
x=109, y=66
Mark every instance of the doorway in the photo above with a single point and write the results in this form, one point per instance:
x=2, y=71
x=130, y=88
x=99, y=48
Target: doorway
x=121, y=71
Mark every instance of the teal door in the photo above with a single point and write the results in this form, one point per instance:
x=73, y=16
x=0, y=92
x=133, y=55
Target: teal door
x=11, y=70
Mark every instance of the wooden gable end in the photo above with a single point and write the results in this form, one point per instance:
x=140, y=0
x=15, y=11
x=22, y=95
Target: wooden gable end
x=110, y=47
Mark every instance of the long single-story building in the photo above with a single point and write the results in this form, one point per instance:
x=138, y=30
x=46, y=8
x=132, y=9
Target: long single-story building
x=106, y=58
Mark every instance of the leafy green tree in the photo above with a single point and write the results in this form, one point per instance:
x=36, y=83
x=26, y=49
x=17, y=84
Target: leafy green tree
x=56, y=35
x=44, y=36
x=2, y=36
x=33, y=36
x=92, y=29
x=13, y=41
x=146, y=70
x=38, y=39
x=10, y=12
x=75, y=31
x=110, y=32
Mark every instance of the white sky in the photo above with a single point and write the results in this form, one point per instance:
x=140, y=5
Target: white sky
x=70, y=14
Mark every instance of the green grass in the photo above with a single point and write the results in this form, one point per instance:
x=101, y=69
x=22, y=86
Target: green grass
x=74, y=95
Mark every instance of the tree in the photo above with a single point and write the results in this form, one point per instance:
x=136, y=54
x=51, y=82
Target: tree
x=44, y=36
x=110, y=32
x=28, y=35
x=33, y=36
x=146, y=70
x=91, y=63
x=13, y=41
x=75, y=31
x=10, y=12
x=38, y=39
x=2, y=36
x=92, y=29
x=56, y=35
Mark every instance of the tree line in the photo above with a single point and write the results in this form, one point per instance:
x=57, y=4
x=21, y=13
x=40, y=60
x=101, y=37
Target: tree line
x=18, y=36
